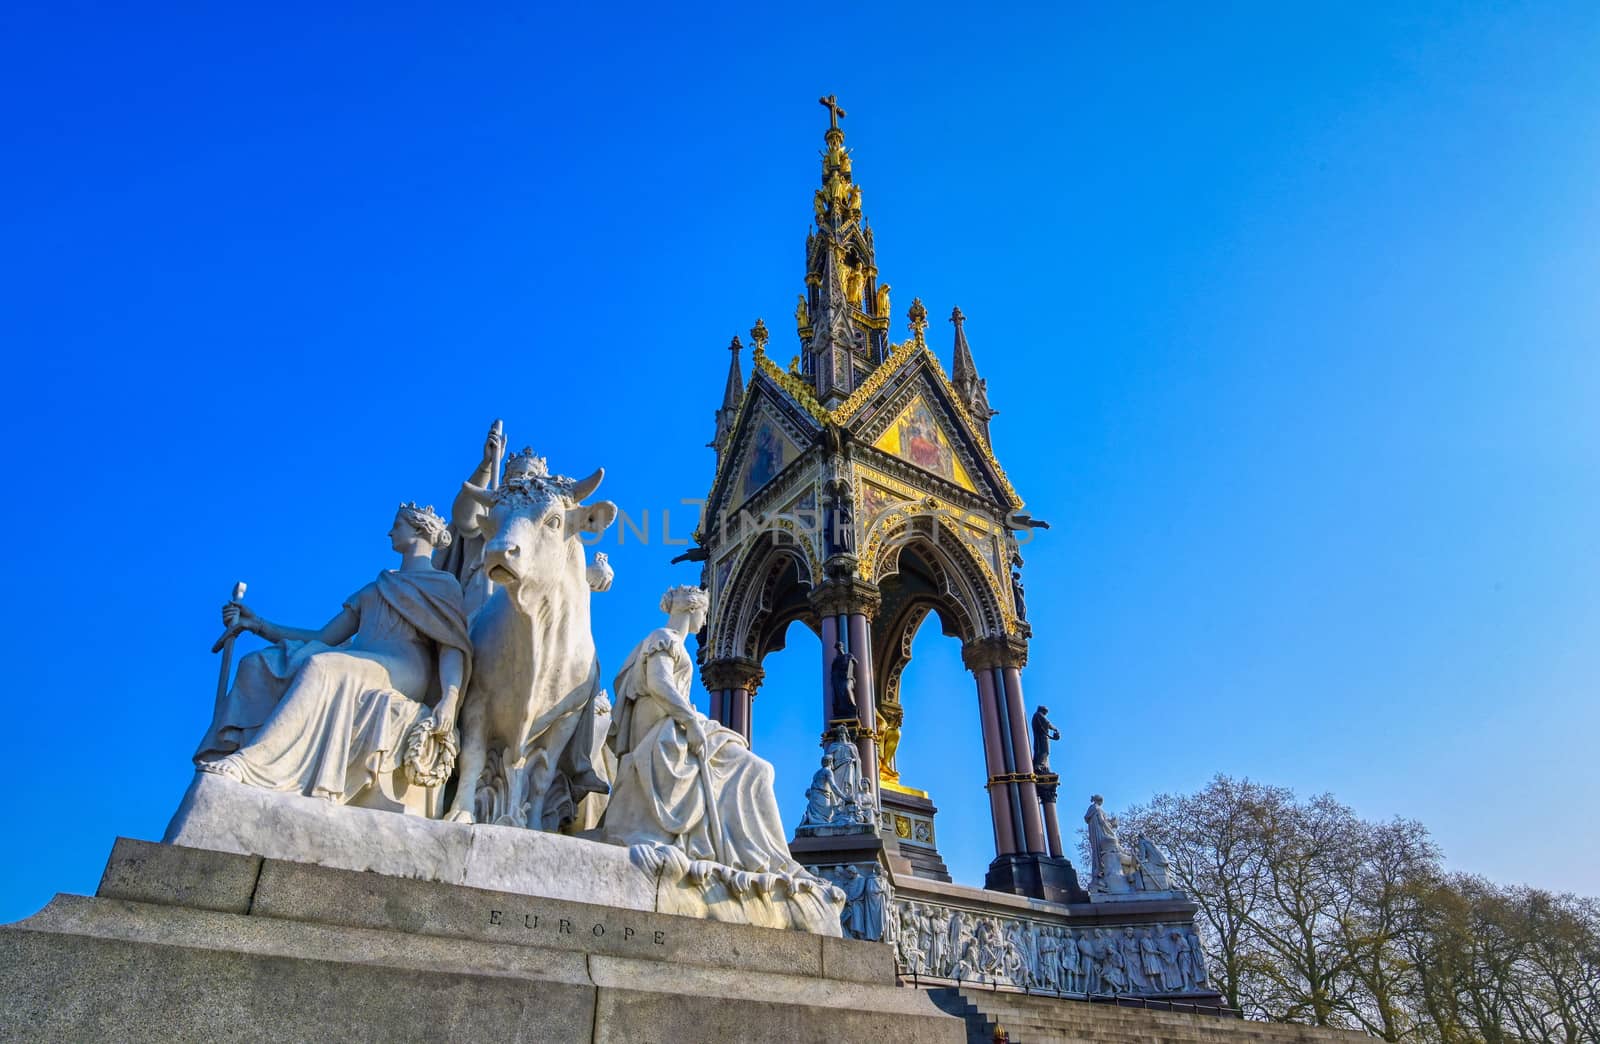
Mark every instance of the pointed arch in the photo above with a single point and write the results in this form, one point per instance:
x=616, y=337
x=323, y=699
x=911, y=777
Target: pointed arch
x=770, y=588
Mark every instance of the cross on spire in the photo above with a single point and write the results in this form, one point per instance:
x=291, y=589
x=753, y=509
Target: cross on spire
x=835, y=114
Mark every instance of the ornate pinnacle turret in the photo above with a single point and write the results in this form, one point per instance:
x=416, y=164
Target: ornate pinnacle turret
x=842, y=325
x=734, y=392
x=973, y=390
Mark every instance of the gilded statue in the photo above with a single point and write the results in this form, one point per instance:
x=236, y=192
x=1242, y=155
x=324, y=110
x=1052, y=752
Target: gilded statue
x=890, y=716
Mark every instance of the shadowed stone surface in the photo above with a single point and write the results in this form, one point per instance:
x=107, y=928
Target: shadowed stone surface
x=326, y=954
x=176, y=876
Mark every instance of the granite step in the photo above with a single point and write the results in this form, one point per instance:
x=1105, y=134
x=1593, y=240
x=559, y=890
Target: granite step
x=1049, y=1020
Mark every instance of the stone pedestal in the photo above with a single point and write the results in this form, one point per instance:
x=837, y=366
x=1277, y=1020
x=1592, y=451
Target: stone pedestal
x=187, y=944
x=1038, y=876
x=907, y=825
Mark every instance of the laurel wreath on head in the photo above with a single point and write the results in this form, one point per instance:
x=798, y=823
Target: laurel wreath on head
x=429, y=756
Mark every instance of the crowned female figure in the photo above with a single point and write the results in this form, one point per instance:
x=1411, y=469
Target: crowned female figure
x=325, y=712
x=682, y=779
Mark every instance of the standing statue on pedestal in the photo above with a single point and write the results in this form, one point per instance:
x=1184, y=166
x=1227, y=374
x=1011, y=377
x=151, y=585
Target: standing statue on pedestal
x=326, y=712
x=1105, y=850
x=844, y=684
x=684, y=781
x=1043, y=733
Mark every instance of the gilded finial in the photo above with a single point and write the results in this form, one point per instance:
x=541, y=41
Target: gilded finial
x=758, y=335
x=919, y=318
x=835, y=114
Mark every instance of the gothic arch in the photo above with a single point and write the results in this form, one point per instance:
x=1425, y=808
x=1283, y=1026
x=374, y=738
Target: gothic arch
x=924, y=556
x=769, y=589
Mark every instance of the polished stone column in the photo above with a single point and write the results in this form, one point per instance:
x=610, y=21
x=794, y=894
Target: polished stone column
x=1006, y=837
x=1022, y=744
x=733, y=683
x=1048, y=784
x=845, y=608
x=860, y=646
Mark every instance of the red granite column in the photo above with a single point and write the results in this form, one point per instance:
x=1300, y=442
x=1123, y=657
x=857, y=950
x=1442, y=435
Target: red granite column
x=1005, y=834
x=733, y=683
x=830, y=637
x=860, y=646
x=1022, y=744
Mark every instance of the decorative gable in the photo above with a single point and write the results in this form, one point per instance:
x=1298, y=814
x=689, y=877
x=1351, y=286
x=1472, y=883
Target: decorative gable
x=916, y=436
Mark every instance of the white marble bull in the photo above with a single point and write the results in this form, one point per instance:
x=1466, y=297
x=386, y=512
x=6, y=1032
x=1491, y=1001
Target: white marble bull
x=530, y=729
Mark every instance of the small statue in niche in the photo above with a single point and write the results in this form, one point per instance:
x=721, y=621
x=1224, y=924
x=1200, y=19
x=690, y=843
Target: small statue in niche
x=1017, y=594
x=844, y=684
x=842, y=527
x=1043, y=733
x=802, y=315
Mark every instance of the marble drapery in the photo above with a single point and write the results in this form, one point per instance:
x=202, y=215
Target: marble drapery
x=325, y=720
x=716, y=804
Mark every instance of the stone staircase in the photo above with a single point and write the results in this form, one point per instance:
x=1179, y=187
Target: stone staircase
x=1048, y=1020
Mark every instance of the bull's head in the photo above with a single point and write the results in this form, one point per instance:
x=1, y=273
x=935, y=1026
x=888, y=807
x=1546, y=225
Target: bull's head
x=534, y=530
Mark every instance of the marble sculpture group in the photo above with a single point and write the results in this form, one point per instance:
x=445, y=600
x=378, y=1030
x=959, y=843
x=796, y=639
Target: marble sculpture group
x=473, y=662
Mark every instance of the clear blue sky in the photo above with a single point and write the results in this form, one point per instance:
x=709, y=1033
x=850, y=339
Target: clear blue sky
x=1290, y=312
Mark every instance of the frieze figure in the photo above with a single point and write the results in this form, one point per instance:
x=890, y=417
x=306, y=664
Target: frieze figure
x=1172, y=976
x=1113, y=964
x=1155, y=971
x=1048, y=967
x=1197, y=959
x=1090, y=952
x=1071, y=963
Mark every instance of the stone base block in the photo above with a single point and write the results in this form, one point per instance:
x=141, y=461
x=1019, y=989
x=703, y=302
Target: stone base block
x=187, y=945
x=1050, y=878
x=220, y=815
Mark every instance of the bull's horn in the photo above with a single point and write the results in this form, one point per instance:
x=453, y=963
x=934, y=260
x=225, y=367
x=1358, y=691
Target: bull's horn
x=586, y=486
x=478, y=493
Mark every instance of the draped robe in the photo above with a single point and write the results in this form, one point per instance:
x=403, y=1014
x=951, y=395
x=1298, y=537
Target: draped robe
x=662, y=793
x=324, y=720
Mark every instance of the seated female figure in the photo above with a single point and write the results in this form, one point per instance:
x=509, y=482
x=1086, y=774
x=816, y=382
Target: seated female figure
x=325, y=712
x=682, y=779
